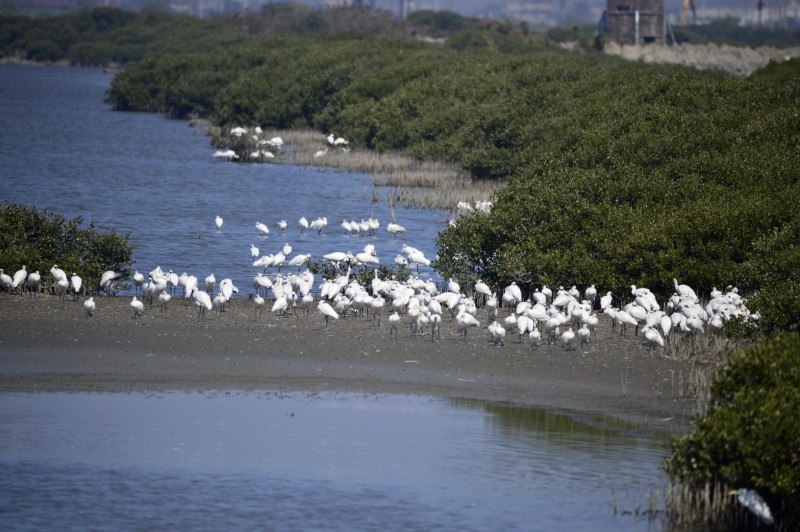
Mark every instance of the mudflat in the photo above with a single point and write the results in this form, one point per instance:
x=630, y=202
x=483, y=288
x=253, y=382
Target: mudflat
x=48, y=344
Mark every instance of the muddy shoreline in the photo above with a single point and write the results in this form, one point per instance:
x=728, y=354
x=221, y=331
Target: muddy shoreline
x=50, y=345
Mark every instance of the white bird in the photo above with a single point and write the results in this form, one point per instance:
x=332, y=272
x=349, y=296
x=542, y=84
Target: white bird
x=366, y=258
x=280, y=305
x=258, y=304
x=327, y=312
x=534, y=337
x=57, y=273
x=584, y=335
x=138, y=280
x=138, y=307
x=303, y=223
x=496, y=333
x=590, y=294
x=163, y=299
x=566, y=339
x=76, y=283
x=282, y=225
x=605, y=301
x=263, y=230
x=61, y=287
x=482, y=288
x=6, y=282
x=211, y=282
x=89, y=307
x=33, y=281
x=19, y=277
x=395, y=228
x=684, y=291
x=218, y=221
x=751, y=500
x=202, y=300
x=254, y=252
x=652, y=338
x=107, y=277
x=464, y=321
x=278, y=259
x=394, y=320
x=318, y=224
x=401, y=260
x=299, y=260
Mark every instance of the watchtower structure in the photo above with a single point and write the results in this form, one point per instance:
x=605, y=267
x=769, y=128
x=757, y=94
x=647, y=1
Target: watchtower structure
x=636, y=21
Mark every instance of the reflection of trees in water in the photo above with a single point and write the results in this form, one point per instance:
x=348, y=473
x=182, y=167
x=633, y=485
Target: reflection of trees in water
x=572, y=430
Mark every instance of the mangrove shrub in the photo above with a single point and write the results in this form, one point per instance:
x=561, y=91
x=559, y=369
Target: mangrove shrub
x=39, y=240
x=750, y=437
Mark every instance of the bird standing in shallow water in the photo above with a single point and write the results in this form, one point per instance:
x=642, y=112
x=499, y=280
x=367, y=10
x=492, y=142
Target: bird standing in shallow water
x=218, y=221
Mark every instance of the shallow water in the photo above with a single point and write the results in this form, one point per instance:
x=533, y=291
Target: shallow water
x=331, y=461
x=63, y=149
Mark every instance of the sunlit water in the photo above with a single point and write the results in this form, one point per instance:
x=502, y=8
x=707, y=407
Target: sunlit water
x=298, y=462
x=63, y=149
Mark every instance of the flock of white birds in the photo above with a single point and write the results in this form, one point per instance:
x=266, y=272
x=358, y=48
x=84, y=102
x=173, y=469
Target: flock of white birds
x=567, y=318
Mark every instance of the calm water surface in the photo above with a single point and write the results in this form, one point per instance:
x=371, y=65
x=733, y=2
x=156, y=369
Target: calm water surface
x=298, y=462
x=62, y=148
x=265, y=461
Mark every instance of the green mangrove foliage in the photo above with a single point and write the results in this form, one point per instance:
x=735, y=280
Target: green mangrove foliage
x=104, y=36
x=750, y=437
x=40, y=239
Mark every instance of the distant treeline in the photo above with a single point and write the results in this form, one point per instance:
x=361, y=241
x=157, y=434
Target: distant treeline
x=103, y=36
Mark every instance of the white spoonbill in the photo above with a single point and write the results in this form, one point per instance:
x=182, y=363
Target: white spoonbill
x=138, y=281
x=327, y=311
x=282, y=224
x=107, y=277
x=299, y=260
x=318, y=224
x=33, y=281
x=6, y=282
x=218, y=222
x=464, y=321
x=254, y=252
x=263, y=230
x=395, y=228
x=76, y=282
x=89, y=307
x=258, y=304
x=566, y=339
x=211, y=282
x=163, y=299
x=19, y=277
x=57, y=273
x=303, y=223
x=138, y=307
x=202, y=300
x=61, y=287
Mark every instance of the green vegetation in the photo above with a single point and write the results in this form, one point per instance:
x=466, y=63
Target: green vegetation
x=41, y=239
x=103, y=36
x=750, y=437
